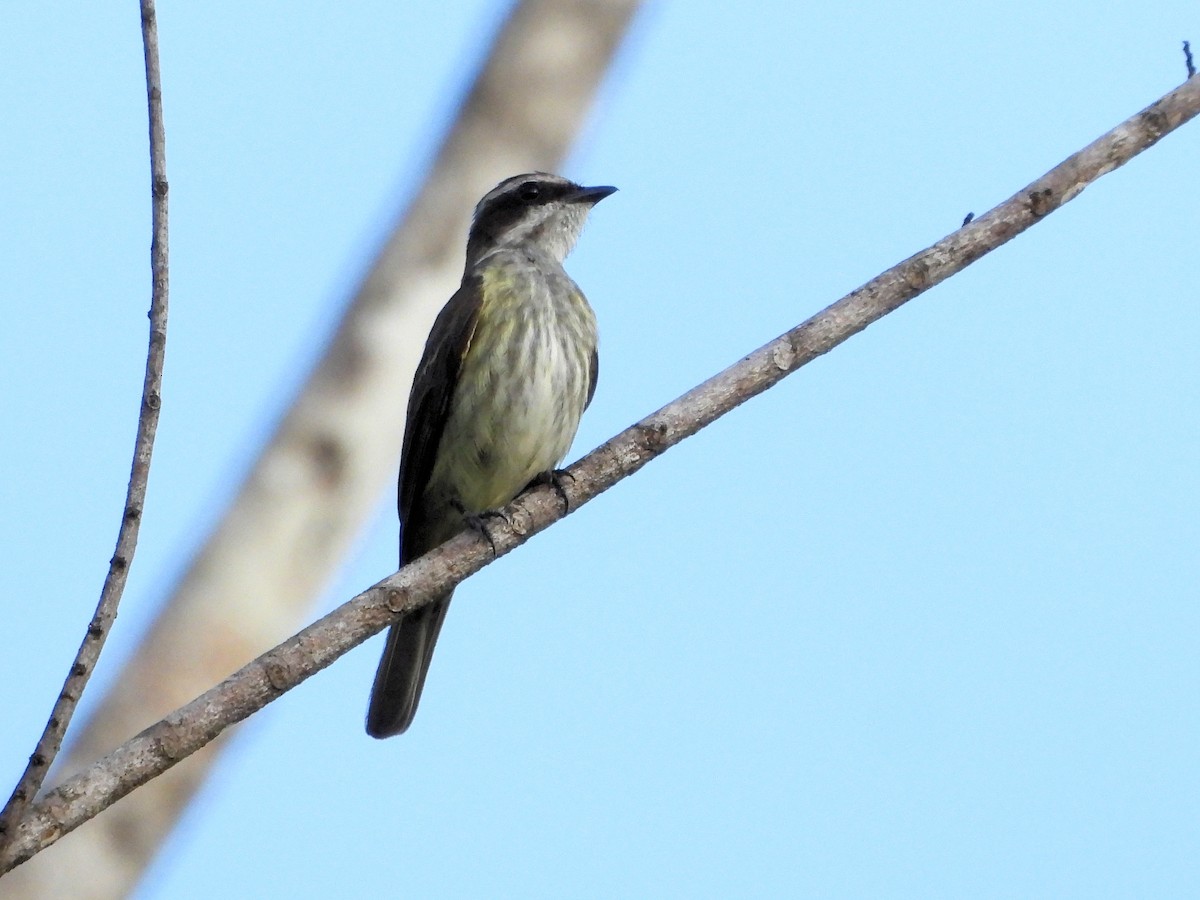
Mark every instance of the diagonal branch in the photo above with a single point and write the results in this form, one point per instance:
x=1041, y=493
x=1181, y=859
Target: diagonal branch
x=263, y=680
x=135, y=498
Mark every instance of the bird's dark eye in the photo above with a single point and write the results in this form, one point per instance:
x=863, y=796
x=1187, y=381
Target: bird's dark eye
x=530, y=192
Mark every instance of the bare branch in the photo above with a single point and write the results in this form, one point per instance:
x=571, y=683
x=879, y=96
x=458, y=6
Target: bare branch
x=257, y=684
x=135, y=498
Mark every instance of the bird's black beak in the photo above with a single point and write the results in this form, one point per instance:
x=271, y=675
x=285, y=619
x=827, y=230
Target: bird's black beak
x=592, y=195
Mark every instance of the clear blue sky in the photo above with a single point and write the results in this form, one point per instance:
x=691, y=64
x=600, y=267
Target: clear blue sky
x=921, y=622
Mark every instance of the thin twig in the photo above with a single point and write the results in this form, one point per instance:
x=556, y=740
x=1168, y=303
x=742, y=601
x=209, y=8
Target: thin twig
x=255, y=685
x=118, y=568
x=1187, y=56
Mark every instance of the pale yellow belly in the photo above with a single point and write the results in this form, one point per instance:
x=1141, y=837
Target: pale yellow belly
x=520, y=396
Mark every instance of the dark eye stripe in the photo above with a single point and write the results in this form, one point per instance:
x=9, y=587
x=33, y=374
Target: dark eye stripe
x=502, y=213
x=507, y=208
x=546, y=192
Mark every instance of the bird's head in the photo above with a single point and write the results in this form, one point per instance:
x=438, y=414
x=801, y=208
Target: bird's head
x=539, y=209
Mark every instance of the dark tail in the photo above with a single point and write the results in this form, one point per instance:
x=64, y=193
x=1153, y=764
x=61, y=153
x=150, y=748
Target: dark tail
x=402, y=670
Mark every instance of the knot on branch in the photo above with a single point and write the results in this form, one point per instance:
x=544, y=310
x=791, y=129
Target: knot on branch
x=395, y=599
x=783, y=354
x=168, y=742
x=1041, y=203
x=276, y=673
x=916, y=276
x=653, y=437
x=519, y=521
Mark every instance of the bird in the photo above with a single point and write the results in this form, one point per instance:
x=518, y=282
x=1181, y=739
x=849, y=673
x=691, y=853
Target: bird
x=508, y=369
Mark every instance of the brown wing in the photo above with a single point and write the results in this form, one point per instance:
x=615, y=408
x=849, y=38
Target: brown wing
x=428, y=406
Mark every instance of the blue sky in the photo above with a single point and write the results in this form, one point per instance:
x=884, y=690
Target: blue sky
x=921, y=621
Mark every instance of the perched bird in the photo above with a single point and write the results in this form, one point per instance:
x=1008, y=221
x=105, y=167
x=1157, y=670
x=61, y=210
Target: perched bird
x=508, y=370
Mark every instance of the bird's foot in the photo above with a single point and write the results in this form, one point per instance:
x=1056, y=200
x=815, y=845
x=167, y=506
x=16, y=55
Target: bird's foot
x=555, y=478
x=477, y=522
